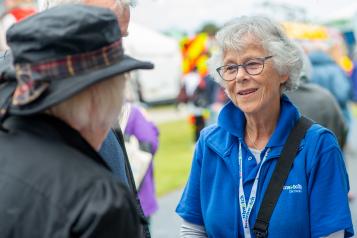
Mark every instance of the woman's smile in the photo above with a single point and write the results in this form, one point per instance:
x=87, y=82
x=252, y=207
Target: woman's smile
x=247, y=92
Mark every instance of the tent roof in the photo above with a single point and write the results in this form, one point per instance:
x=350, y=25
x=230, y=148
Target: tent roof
x=144, y=41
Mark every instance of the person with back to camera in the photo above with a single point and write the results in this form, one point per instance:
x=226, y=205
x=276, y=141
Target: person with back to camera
x=234, y=160
x=70, y=77
x=113, y=148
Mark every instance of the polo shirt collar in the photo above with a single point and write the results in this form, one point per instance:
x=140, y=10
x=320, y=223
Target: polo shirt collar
x=232, y=120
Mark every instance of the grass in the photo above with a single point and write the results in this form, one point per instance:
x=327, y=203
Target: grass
x=173, y=159
x=353, y=107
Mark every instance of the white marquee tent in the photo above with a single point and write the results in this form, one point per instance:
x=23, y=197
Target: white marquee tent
x=163, y=82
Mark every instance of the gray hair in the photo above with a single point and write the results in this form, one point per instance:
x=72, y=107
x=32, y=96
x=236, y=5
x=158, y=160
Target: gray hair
x=287, y=56
x=46, y=4
x=105, y=99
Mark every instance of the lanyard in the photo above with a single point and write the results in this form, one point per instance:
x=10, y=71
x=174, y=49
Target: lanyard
x=245, y=208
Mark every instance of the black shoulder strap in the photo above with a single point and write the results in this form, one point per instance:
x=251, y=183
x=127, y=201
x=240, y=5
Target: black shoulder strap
x=279, y=177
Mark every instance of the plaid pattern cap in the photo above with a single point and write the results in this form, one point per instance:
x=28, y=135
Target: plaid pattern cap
x=33, y=79
x=60, y=52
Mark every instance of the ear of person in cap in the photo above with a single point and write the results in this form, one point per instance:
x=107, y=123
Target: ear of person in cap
x=60, y=52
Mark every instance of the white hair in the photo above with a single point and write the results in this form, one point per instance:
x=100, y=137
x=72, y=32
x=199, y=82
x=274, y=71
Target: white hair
x=96, y=107
x=287, y=56
x=46, y=4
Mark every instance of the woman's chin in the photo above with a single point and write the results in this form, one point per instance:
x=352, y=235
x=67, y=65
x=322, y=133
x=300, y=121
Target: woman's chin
x=248, y=108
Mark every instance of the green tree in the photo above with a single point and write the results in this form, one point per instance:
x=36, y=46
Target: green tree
x=209, y=28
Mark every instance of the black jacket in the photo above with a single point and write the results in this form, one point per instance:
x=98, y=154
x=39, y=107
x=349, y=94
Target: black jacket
x=53, y=184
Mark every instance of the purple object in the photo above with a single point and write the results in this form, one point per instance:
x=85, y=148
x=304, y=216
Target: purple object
x=145, y=131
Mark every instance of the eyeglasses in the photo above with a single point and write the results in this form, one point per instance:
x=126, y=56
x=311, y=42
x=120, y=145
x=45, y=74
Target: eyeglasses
x=252, y=67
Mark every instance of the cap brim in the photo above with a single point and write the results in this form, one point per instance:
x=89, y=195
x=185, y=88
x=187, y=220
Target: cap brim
x=62, y=89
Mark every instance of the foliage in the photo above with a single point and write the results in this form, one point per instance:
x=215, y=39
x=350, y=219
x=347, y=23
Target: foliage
x=209, y=28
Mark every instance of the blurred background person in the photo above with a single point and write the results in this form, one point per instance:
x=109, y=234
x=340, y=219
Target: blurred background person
x=70, y=84
x=192, y=88
x=121, y=8
x=328, y=74
x=205, y=96
x=135, y=122
x=318, y=103
x=190, y=82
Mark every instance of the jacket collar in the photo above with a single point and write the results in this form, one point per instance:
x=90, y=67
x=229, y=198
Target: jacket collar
x=232, y=121
x=47, y=126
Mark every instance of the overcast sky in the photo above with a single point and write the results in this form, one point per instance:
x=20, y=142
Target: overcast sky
x=188, y=15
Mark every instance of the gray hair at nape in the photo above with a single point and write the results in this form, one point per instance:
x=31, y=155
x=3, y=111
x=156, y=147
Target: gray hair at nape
x=287, y=56
x=96, y=106
x=46, y=4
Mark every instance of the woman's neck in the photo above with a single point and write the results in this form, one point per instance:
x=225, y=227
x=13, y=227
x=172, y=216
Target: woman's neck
x=260, y=127
x=93, y=133
x=94, y=138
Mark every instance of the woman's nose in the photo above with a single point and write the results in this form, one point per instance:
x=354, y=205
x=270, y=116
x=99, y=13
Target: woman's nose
x=241, y=75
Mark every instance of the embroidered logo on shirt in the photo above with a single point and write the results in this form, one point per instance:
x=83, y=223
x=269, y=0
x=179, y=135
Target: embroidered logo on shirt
x=295, y=188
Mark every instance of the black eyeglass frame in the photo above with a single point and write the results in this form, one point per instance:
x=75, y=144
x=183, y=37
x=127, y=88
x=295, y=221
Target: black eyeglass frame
x=263, y=59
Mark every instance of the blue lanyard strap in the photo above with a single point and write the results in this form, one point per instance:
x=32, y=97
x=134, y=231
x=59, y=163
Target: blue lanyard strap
x=246, y=208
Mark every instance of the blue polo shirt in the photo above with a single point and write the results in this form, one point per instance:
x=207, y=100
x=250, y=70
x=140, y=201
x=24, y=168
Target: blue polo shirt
x=313, y=202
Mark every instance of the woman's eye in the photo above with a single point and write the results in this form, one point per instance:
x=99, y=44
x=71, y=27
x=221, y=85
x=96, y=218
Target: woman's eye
x=253, y=64
x=231, y=68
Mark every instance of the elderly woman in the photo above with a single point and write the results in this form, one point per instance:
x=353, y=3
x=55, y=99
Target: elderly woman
x=256, y=63
x=68, y=92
